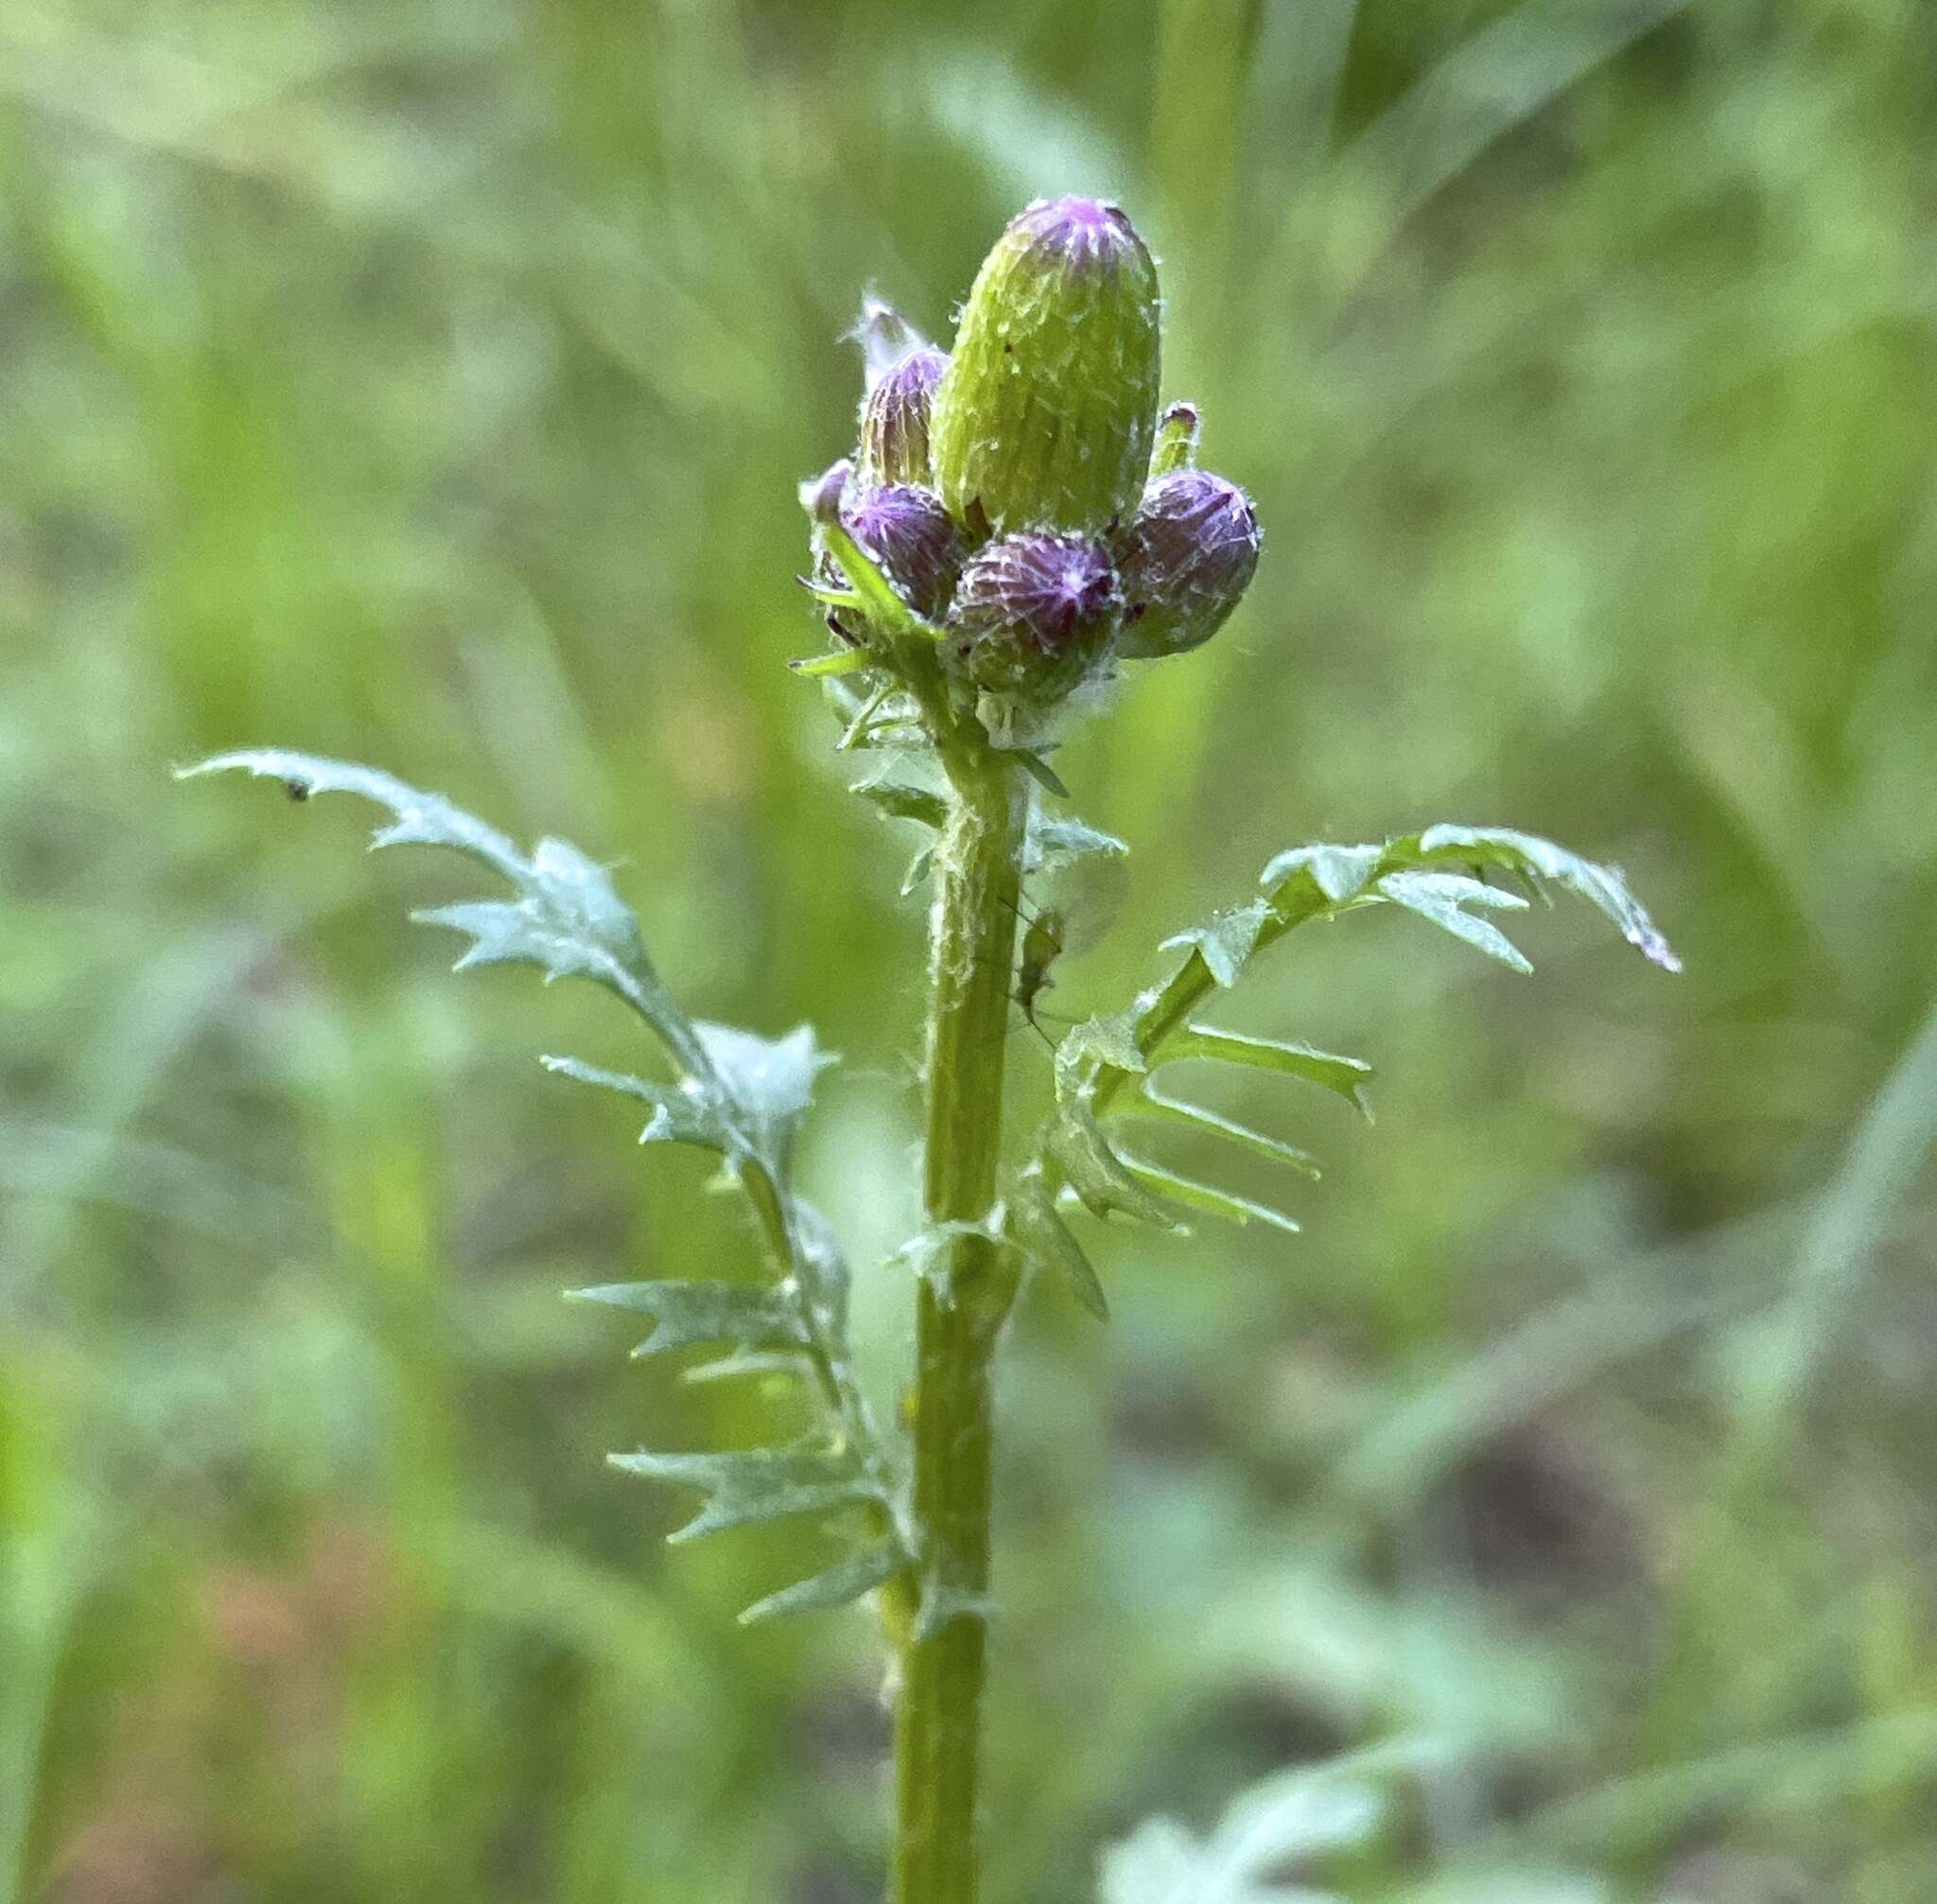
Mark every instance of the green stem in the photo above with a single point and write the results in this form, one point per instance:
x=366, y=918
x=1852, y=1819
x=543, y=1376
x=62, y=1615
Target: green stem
x=965, y=1293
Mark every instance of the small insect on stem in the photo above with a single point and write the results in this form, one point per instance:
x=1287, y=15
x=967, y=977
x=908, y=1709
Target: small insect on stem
x=1042, y=945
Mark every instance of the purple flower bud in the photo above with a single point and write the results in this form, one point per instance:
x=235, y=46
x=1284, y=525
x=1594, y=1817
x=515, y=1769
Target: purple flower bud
x=914, y=538
x=1032, y=613
x=1185, y=561
x=893, y=419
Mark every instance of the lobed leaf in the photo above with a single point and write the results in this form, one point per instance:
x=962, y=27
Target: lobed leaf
x=689, y=1312
x=1442, y=900
x=1226, y=940
x=898, y=800
x=1036, y=1229
x=763, y=1484
x=681, y=1113
x=1200, y=1195
x=860, y=1573
x=1077, y=1144
x=1156, y=1104
x=1345, y=1075
x=770, y=1080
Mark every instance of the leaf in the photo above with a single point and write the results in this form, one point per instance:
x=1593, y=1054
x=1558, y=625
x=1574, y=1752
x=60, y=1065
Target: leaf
x=1041, y=1235
x=1110, y=1040
x=1341, y=873
x=1095, y=1174
x=681, y=1113
x=1038, y=770
x=1297, y=1815
x=837, y=662
x=763, y=1484
x=567, y=918
x=847, y=1579
x=1156, y=1104
x=1345, y=1075
x=770, y=1080
x=1225, y=940
x=898, y=800
x=1601, y=887
x=1441, y=899
x=1060, y=843
x=879, y=600
x=689, y=1312
x=1198, y=1195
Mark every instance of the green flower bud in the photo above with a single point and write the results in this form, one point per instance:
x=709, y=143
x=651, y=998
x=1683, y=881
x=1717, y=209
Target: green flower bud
x=1031, y=614
x=1045, y=414
x=1185, y=562
x=895, y=420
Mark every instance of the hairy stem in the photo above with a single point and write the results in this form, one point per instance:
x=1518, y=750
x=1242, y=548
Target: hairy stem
x=965, y=1293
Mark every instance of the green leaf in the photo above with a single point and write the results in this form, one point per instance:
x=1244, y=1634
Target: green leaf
x=837, y=662
x=1225, y=940
x=567, y=918
x=1295, y=1816
x=1442, y=900
x=847, y=1579
x=749, y=1364
x=681, y=1113
x=879, y=600
x=1341, y=873
x=898, y=800
x=1110, y=1040
x=1038, y=770
x=1601, y=887
x=1156, y=1104
x=763, y=1484
x=1060, y=843
x=1096, y=1175
x=689, y=1312
x=1345, y=1075
x=770, y=1080
x=1199, y=1196
x=1036, y=1229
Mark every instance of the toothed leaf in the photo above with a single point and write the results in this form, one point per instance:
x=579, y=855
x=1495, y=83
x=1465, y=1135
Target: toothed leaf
x=681, y=1113
x=847, y=1579
x=1225, y=940
x=1156, y=1104
x=1341, y=873
x=1442, y=900
x=1198, y=1195
x=689, y=1312
x=1345, y=1075
x=1061, y=843
x=764, y=1484
x=770, y=1080
x=1112, y=1040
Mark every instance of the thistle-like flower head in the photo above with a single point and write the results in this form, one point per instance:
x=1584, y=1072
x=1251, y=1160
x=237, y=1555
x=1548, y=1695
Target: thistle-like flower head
x=914, y=538
x=1045, y=414
x=1032, y=614
x=1185, y=561
x=895, y=419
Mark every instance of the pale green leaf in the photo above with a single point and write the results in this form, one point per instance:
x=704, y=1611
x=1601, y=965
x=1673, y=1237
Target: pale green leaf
x=860, y=1573
x=900, y=800
x=1442, y=900
x=763, y=1484
x=1055, y=843
x=770, y=1080
x=1096, y=1175
x=689, y=1312
x=681, y=1113
x=1200, y=1195
x=1226, y=940
x=1156, y=1104
x=1041, y=1235
x=1110, y=1040
x=1345, y=1075
x=1341, y=873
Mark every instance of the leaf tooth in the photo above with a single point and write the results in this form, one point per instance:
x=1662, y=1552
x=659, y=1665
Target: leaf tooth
x=860, y=1573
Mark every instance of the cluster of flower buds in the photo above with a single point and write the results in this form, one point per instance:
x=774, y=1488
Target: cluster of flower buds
x=1022, y=494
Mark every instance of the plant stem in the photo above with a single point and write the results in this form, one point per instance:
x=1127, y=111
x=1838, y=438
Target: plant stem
x=965, y=1293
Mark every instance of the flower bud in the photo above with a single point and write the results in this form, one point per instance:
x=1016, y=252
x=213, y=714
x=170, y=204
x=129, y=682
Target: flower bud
x=1032, y=611
x=1176, y=440
x=895, y=419
x=820, y=496
x=914, y=538
x=1045, y=414
x=1185, y=562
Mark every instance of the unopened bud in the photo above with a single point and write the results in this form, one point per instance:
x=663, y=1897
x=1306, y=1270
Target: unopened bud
x=1185, y=562
x=1032, y=611
x=820, y=496
x=1045, y=415
x=895, y=419
x=914, y=538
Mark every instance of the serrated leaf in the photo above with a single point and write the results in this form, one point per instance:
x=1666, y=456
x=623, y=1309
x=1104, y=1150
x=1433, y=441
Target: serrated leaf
x=764, y=1484
x=898, y=800
x=1077, y=1143
x=1226, y=940
x=681, y=1113
x=1442, y=900
x=769, y=1079
x=691, y=1313
x=847, y=1579
x=1040, y=1233
x=1345, y=1075
x=1601, y=887
x=1200, y=1195
x=1341, y=873
x=1156, y=1104
x=1296, y=1815
x=567, y=918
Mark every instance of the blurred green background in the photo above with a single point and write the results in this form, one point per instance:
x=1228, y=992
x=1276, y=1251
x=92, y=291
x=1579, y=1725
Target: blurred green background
x=427, y=382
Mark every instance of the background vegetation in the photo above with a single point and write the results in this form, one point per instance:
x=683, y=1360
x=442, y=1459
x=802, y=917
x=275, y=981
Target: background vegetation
x=427, y=382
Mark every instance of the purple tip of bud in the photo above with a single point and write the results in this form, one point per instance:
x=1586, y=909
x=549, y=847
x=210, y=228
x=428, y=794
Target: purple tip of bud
x=914, y=538
x=1088, y=233
x=820, y=496
x=1029, y=613
x=1186, y=560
